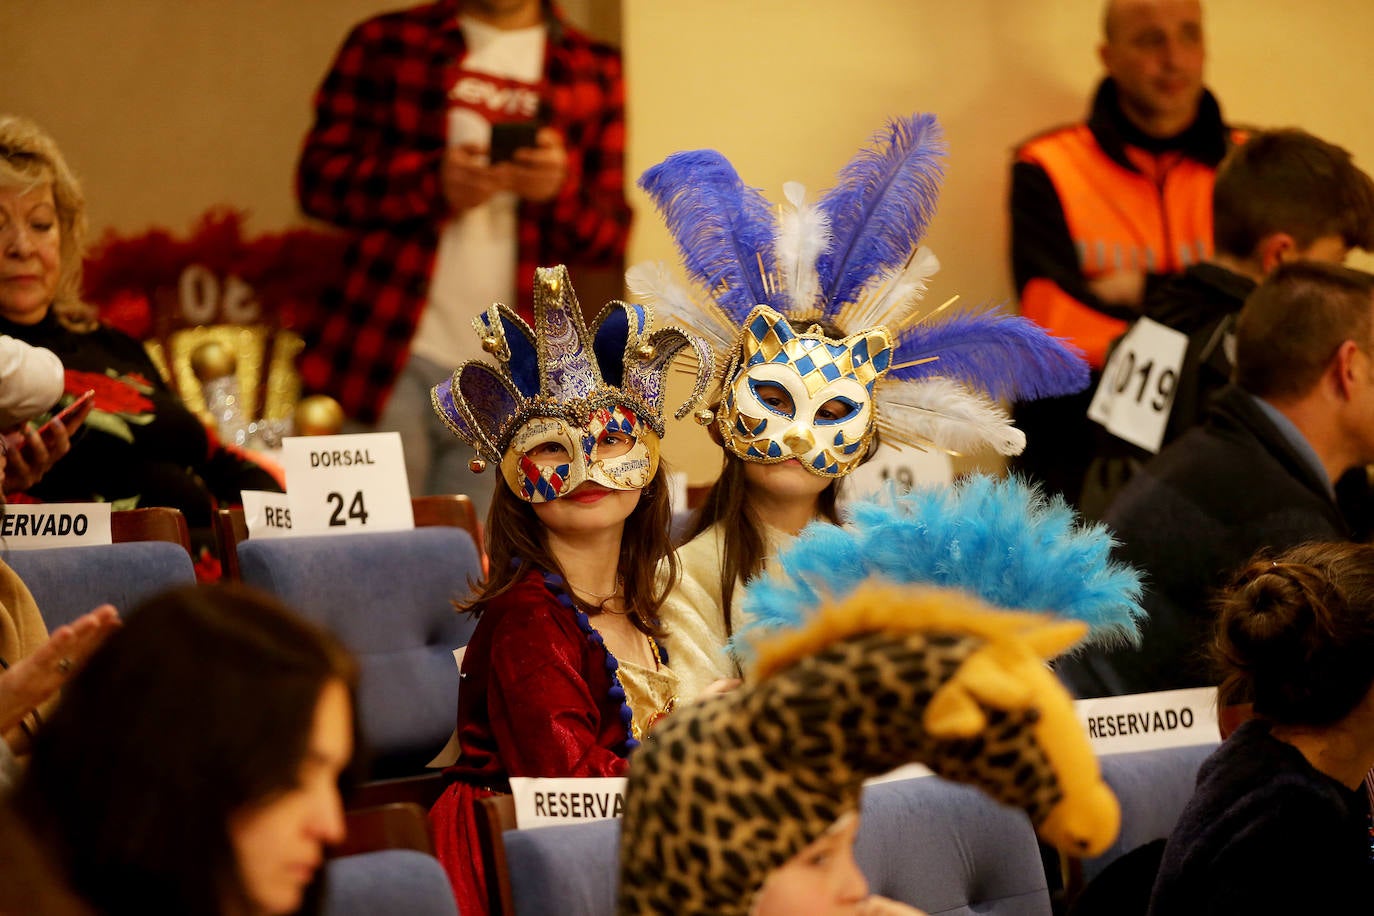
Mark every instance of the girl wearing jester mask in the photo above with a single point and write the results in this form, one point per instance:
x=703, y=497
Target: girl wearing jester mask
x=815, y=312
x=565, y=672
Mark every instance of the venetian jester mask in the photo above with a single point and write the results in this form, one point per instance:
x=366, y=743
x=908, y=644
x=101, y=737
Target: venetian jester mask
x=549, y=457
x=803, y=395
x=562, y=403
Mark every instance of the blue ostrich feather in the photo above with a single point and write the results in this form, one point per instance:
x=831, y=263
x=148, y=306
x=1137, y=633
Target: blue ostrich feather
x=721, y=226
x=1005, y=355
x=880, y=207
x=1002, y=541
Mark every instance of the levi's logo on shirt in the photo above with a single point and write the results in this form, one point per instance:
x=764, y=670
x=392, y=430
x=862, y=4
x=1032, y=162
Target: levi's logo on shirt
x=495, y=98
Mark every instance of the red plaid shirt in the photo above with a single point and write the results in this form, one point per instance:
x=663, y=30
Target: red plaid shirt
x=371, y=164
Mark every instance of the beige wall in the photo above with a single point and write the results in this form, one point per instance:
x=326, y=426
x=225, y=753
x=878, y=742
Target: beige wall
x=788, y=91
x=167, y=107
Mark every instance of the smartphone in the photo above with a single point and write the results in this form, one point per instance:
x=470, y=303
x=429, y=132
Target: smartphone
x=16, y=438
x=509, y=136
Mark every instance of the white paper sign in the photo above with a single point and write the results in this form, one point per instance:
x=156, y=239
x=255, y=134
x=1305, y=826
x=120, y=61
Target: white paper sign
x=547, y=802
x=38, y=526
x=267, y=514
x=908, y=467
x=1136, y=393
x=347, y=484
x=1145, y=721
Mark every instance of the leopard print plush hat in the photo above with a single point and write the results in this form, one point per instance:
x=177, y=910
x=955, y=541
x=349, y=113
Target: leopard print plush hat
x=729, y=789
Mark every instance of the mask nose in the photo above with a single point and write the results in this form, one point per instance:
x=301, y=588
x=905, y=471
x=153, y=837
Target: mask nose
x=799, y=440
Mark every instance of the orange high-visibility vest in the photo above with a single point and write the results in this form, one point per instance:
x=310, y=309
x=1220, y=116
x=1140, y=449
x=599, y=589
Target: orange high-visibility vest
x=1157, y=220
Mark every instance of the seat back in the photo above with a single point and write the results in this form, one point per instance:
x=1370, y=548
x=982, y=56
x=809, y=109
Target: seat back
x=941, y=847
x=496, y=815
x=1153, y=787
x=66, y=582
x=388, y=596
x=570, y=870
x=452, y=510
x=949, y=849
x=155, y=523
x=400, y=825
x=388, y=881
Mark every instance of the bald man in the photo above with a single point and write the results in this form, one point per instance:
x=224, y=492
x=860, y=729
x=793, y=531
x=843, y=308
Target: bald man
x=1103, y=209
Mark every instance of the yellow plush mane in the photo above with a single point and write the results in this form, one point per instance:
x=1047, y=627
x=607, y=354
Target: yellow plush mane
x=1006, y=672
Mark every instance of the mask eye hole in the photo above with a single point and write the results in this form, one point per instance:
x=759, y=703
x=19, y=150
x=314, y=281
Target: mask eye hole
x=836, y=410
x=614, y=444
x=547, y=454
x=774, y=397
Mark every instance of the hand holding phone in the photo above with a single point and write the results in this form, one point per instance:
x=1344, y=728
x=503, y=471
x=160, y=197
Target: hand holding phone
x=509, y=136
x=28, y=452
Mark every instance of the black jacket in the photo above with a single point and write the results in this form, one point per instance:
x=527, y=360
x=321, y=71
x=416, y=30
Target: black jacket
x=1266, y=833
x=1198, y=511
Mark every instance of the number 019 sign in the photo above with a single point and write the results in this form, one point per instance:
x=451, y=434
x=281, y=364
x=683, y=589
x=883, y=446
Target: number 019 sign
x=340, y=484
x=1136, y=393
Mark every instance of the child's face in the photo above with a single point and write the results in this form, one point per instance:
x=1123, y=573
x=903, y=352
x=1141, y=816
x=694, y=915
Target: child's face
x=821, y=880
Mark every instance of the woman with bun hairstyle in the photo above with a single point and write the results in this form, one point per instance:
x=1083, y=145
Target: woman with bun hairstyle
x=1280, y=819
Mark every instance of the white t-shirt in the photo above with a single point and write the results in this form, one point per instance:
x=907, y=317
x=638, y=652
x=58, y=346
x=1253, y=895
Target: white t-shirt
x=499, y=80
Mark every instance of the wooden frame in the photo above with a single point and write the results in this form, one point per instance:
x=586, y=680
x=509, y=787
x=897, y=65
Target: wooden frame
x=496, y=815
x=400, y=825
x=156, y=523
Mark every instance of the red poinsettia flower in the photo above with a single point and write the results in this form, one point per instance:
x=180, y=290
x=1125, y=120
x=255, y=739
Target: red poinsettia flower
x=112, y=394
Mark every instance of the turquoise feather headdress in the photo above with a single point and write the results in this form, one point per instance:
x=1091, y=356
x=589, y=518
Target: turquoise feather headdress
x=1002, y=541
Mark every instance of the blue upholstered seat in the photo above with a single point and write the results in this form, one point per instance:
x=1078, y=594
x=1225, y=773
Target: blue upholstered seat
x=391, y=881
x=945, y=848
x=1153, y=788
x=69, y=581
x=950, y=849
x=389, y=597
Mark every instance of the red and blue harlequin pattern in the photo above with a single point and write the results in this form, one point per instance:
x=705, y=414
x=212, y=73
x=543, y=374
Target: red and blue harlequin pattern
x=371, y=164
x=545, y=482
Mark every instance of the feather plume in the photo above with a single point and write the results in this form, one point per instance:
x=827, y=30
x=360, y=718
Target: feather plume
x=949, y=416
x=653, y=282
x=723, y=229
x=880, y=208
x=1002, y=541
x=1005, y=355
x=892, y=297
x=803, y=233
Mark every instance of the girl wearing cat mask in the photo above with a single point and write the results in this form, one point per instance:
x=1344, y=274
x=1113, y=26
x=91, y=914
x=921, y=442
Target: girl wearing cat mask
x=814, y=311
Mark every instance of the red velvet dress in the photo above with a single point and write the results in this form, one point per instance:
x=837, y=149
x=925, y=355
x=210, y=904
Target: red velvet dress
x=539, y=697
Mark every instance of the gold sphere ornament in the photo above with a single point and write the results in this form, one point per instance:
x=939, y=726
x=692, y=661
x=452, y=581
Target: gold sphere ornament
x=212, y=360
x=477, y=465
x=318, y=415
x=704, y=416
x=645, y=351
x=491, y=344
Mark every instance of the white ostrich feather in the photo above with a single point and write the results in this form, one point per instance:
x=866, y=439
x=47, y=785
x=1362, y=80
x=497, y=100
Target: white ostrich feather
x=803, y=233
x=943, y=413
x=653, y=283
x=891, y=297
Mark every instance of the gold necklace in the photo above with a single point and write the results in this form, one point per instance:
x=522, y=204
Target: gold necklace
x=619, y=587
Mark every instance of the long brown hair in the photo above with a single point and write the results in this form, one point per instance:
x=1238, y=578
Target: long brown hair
x=743, y=545
x=199, y=707
x=517, y=543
